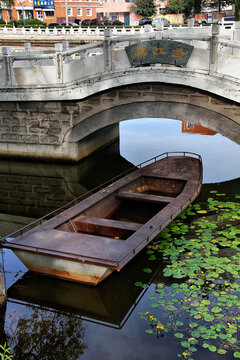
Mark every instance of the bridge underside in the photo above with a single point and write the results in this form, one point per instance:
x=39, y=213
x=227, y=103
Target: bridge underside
x=72, y=130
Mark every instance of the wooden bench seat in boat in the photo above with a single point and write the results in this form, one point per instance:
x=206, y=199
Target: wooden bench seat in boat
x=105, y=227
x=125, y=195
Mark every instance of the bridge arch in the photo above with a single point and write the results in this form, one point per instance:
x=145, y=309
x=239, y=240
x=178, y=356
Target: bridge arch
x=71, y=130
x=155, y=100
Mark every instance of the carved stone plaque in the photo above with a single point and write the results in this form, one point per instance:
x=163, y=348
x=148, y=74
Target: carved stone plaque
x=159, y=51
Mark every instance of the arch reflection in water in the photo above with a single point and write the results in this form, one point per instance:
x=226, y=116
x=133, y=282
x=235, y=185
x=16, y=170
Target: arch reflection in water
x=143, y=138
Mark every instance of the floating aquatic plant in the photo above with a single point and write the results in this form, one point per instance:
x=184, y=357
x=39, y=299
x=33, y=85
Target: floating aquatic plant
x=203, y=251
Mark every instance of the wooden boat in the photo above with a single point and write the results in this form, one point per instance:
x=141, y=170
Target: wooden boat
x=103, y=232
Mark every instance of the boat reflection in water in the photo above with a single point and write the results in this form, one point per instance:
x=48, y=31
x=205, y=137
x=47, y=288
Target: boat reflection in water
x=110, y=303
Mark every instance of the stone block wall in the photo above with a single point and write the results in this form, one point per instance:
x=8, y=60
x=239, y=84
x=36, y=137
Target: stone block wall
x=31, y=196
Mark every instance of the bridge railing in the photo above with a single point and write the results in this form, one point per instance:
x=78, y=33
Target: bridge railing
x=99, y=31
x=89, y=62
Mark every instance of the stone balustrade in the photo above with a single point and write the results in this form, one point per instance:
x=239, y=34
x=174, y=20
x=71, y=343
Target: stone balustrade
x=62, y=103
x=96, y=31
x=74, y=73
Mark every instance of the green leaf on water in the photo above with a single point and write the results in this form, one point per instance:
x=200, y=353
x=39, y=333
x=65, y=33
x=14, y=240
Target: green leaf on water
x=179, y=335
x=185, y=344
x=192, y=349
x=208, y=317
x=205, y=302
x=195, y=333
x=155, y=305
x=147, y=270
x=216, y=309
x=237, y=354
x=179, y=323
x=160, y=285
x=221, y=351
x=149, y=331
x=171, y=308
x=212, y=348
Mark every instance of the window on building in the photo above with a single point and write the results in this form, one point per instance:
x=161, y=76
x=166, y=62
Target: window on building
x=69, y=11
x=20, y=14
x=128, y=0
x=115, y=16
x=29, y=14
x=49, y=13
x=89, y=12
x=40, y=15
x=79, y=12
x=106, y=0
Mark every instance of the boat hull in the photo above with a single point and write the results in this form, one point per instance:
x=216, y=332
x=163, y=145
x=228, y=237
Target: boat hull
x=64, y=268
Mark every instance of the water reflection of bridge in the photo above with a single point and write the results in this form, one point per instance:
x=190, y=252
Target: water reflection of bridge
x=28, y=190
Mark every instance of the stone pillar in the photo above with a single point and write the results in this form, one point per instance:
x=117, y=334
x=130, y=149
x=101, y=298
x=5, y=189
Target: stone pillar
x=107, y=49
x=7, y=65
x=190, y=22
x=147, y=28
x=159, y=25
x=58, y=62
x=214, y=48
x=236, y=37
x=27, y=47
x=65, y=46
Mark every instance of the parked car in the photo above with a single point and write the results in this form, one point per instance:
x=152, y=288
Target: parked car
x=145, y=21
x=117, y=22
x=54, y=25
x=108, y=22
x=94, y=22
x=69, y=24
x=165, y=21
x=86, y=22
x=227, y=19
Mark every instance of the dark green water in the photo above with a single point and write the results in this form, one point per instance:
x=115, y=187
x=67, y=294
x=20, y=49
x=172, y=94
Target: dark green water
x=52, y=319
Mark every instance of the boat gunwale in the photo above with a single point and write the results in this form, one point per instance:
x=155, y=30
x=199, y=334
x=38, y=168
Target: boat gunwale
x=117, y=264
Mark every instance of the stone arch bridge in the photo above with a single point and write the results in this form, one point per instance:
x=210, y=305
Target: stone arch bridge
x=67, y=103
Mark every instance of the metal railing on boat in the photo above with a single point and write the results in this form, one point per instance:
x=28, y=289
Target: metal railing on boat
x=111, y=263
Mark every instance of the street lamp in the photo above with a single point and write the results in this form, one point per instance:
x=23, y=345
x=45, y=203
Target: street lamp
x=66, y=12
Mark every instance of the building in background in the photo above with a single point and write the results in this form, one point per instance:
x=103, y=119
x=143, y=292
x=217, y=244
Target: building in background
x=76, y=10
x=191, y=128
x=6, y=13
x=118, y=10
x=50, y=10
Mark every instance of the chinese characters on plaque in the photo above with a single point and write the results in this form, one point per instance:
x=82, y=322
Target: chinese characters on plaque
x=159, y=51
x=45, y=4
